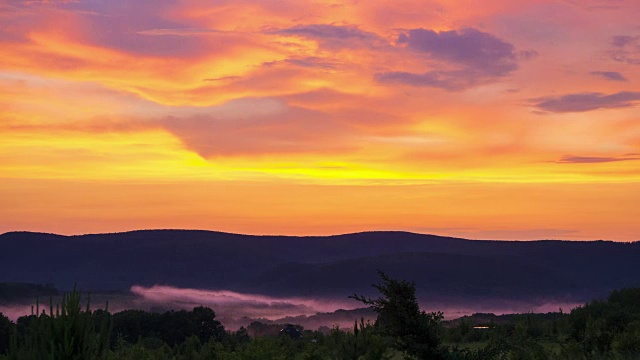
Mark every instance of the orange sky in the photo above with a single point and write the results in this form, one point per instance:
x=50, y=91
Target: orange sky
x=495, y=120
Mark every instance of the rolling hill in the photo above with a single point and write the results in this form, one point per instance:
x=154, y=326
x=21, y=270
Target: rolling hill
x=317, y=266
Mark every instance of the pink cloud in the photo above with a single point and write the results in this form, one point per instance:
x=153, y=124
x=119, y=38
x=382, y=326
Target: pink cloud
x=258, y=126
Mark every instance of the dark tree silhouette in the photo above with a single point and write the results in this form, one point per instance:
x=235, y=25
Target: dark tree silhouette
x=205, y=324
x=399, y=316
x=172, y=327
x=5, y=330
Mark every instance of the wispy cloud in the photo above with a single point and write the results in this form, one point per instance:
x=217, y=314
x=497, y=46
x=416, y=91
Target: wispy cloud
x=178, y=32
x=310, y=61
x=626, y=49
x=333, y=36
x=609, y=75
x=257, y=126
x=223, y=78
x=570, y=159
x=36, y=2
x=586, y=101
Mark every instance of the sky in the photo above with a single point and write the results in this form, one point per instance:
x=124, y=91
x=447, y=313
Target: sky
x=480, y=119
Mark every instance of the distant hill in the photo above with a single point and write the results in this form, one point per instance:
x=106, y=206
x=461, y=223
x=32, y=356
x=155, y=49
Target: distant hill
x=11, y=293
x=340, y=265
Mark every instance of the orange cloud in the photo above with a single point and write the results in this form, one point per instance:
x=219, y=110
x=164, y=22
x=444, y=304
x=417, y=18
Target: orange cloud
x=379, y=97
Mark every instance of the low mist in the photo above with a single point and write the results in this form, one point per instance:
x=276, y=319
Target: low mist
x=235, y=309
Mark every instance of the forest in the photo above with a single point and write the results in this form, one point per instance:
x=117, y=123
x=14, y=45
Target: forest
x=600, y=329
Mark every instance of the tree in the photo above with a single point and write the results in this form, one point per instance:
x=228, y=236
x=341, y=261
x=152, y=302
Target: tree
x=171, y=327
x=68, y=333
x=399, y=317
x=206, y=325
x=6, y=326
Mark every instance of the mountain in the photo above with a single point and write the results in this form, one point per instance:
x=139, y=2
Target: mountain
x=318, y=266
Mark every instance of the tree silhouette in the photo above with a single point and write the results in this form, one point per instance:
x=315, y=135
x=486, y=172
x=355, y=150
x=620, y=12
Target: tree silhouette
x=206, y=325
x=399, y=316
x=5, y=330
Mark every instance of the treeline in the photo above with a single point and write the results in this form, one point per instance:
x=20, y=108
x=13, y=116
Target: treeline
x=15, y=292
x=607, y=329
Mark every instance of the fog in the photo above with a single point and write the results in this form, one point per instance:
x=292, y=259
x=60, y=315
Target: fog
x=235, y=309
x=234, y=304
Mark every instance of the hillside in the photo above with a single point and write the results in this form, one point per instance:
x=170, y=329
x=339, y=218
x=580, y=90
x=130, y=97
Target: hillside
x=321, y=266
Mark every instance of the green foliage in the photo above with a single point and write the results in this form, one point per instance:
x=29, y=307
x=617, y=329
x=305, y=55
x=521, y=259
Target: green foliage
x=171, y=327
x=264, y=348
x=399, y=317
x=605, y=329
x=363, y=343
x=69, y=333
x=599, y=330
x=6, y=328
x=205, y=324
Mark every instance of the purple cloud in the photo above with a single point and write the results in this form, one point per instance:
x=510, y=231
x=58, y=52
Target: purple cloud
x=138, y=27
x=622, y=40
x=310, y=61
x=184, y=32
x=447, y=80
x=586, y=101
x=610, y=75
x=568, y=159
x=334, y=36
x=528, y=54
x=626, y=49
x=471, y=47
x=479, y=56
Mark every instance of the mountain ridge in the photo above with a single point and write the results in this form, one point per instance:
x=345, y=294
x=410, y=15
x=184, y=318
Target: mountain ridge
x=15, y=232
x=320, y=265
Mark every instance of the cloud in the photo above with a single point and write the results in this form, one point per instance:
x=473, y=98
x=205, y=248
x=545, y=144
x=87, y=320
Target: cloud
x=223, y=78
x=626, y=49
x=622, y=40
x=478, y=57
x=94, y=125
x=569, y=159
x=49, y=2
x=178, y=32
x=586, y=101
x=471, y=47
x=448, y=80
x=318, y=122
x=609, y=75
x=333, y=36
x=597, y=4
x=309, y=61
x=528, y=54
x=257, y=126
x=146, y=27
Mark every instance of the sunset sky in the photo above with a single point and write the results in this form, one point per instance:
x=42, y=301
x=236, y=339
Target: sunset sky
x=481, y=119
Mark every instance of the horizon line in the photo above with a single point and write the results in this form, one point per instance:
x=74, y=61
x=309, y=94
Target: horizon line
x=312, y=236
